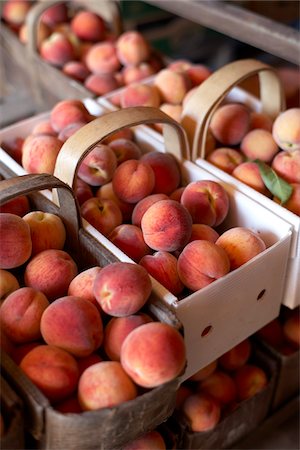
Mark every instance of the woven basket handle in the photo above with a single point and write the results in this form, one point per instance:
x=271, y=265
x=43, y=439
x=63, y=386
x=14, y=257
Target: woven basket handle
x=201, y=106
x=86, y=138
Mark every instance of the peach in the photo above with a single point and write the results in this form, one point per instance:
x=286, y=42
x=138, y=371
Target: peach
x=50, y=271
x=69, y=405
x=102, y=58
x=117, y=329
x=39, y=153
x=152, y=440
x=87, y=361
x=286, y=129
x=88, y=26
x=20, y=351
x=236, y=357
x=241, y=245
x=250, y=379
x=98, y=167
x=53, y=370
x=293, y=203
x=182, y=393
x=73, y=324
x=200, y=263
x=55, y=14
x=248, y=172
x=43, y=32
x=21, y=314
x=179, y=65
x=44, y=127
x=13, y=146
x=137, y=94
x=220, y=386
x=141, y=207
x=101, y=83
x=153, y=354
x=291, y=85
x=67, y=112
x=69, y=130
x=18, y=206
x=14, y=12
x=259, y=144
x=133, y=180
x=174, y=111
x=166, y=226
x=203, y=373
x=57, y=49
x=125, y=149
x=260, y=120
x=176, y=195
x=8, y=284
x=230, y=123
x=207, y=201
x=83, y=191
x=16, y=245
x=124, y=133
x=272, y=333
x=82, y=284
x=105, y=385
x=202, y=411
x=122, y=288
x=291, y=329
x=76, y=70
x=129, y=238
x=172, y=86
x=132, y=48
x=200, y=231
x=166, y=171
x=47, y=231
x=225, y=158
x=107, y=192
x=163, y=267
x=104, y=215
x=287, y=165
x=197, y=73
x=132, y=74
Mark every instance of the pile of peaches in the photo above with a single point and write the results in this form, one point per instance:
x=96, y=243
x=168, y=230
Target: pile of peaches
x=80, y=44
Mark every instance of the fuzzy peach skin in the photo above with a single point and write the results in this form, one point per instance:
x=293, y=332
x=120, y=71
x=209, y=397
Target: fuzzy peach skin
x=152, y=440
x=153, y=354
x=250, y=380
x=207, y=202
x=260, y=120
x=43, y=127
x=8, y=284
x=50, y=271
x=20, y=351
x=18, y=205
x=69, y=130
x=174, y=111
x=57, y=49
x=101, y=83
x=138, y=94
x=13, y=146
x=201, y=263
x=129, y=238
x=87, y=361
x=117, y=329
x=132, y=48
x=82, y=285
x=200, y=231
x=39, y=153
x=14, y=12
x=67, y=112
x=163, y=267
x=88, y=26
x=133, y=180
x=125, y=149
x=176, y=195
x=105, y=385
x=166, y=226
x=226, y=158
x=220, y=386
x=202, y=411
x=133, y=74
x=291, y=329
x=55, y=14
x=286, y=129
x=20, y=314
x=287, y=165
x=122, y=288
x=203, y=373
x=53, y=370
x=259, y=144
x=172, y=86
x=293, y=203
x=248, y=172
x=166, y=171
x=106, y=192
x=16, y=245
x=83, y=191
x=73, y=324
x=47, y=231
x=230, y=123
x=98, y=167
x=43, y=32
x=76, y=70
x=124, y=133
x=102, y=58
x=141, y=207
x=197, y=73
x=104, y=214
x=241, y=245
x=236, y=357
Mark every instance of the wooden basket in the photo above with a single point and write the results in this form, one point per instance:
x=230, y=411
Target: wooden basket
x=196, y=118
x=13, y=416
x=101, y=429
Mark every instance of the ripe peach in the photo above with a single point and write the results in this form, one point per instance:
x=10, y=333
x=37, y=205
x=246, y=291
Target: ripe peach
x=98, y=167
x=76, y=70
x=205, y=371
x=166, y=226
x=87, y=361
x=132, y=48
x=241, y=245
x=286, y=129
x=125, y=149
x=21, y=314
x=200, y=263
x=105, y=385
x=259, y=144
x=272, y=333
x=176, y=195
x=225, y=158
x=50, y=271
x=83, y=191
x=133, y=180
x=163, y=267
x=153, y=354
x=14, y=12
x=73, y=324
x=107, y=192
x=122, y=288
x=207, y=202
x=172, y=86
x=141, y=207
x=137, y=94
x=202, y=411
x=88, y=26
x=18, y=206
x=124, y=133
x=133, y=74
x=82, y=284
x=291, y=329
x=197, y=73
x=57, y=49
x=179, y=65
x=250, y=380
x=174, y=111
x=152, y=440
x=44, y=127
x=53, y=370
x=260, y=120
x=104, y=215
x=166, y=171
x=16, y=245
x=230, y=123
x=287, y=165
x=69, y=130
x=39, y=153
x=220, y=386
x=55, y=14
x=67, y=112
x=129, y=238
x=8, y=284
x=293, y=203
x=20, y=351
x=101, y=83
x=13, y=146
x=200, y=231
x=117, y=329
x=236, y=357
x=102, y=58
x=248, y=172
x=68, y=405
x=43, y=32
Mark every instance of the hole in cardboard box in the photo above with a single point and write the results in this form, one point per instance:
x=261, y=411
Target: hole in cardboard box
x=261, y=294
x=206, y=330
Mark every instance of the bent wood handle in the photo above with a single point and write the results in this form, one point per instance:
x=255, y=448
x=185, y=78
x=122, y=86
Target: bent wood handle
x=199, y=109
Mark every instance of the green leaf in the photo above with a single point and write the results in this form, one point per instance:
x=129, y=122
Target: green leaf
x=276, y=185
